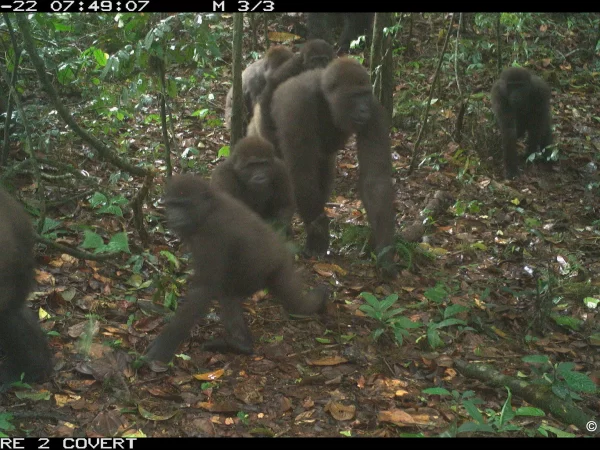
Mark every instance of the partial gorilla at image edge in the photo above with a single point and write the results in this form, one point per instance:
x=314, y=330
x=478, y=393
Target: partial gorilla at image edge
x=21, y=338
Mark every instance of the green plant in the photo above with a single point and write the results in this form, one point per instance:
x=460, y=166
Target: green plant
x=117, y=243
x=5, y=424
x=433, y=334
x=496, y=421
x=243, y=417
x=387, y=316
x=565, y=382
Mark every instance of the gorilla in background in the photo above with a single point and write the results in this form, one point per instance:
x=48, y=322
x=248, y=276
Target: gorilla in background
x=253, y=175
x=521, y=103
x=254, y=80
x=314, y=114
x=234, y=255
x=314, y=54
x=21, y=338
x=354, y=24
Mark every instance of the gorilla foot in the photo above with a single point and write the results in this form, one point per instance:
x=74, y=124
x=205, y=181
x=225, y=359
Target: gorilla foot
x=317, y=237
x=228, y=345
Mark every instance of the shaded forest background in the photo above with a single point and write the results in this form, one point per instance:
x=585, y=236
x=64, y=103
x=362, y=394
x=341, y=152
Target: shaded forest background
x=492, y=327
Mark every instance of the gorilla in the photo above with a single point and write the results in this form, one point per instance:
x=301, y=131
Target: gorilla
x=354, y=24
x=314, y=115
x=254, y=80
x=253, y=175
x=521, y=103
x=21, y=338
x=234, y=255
x=314, y=54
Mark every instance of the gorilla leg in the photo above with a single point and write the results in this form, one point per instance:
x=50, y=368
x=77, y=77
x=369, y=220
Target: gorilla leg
x=509, y=149
x=176, y=331
x=286, y=286
x=238, y=338
x=25, y=342
x=312, y=193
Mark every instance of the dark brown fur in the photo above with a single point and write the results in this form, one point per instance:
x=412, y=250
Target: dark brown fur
x=355, y=24
x=315, y=54
x=255, y=176
x=254, y=80
x=234, y=254
x=315, y=113
x=521, y=103
x=21, y=338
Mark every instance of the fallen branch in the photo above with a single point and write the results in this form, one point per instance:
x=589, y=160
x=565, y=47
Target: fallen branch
x=534, y=394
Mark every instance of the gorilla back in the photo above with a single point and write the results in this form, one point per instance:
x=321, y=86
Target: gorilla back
x=21, y=338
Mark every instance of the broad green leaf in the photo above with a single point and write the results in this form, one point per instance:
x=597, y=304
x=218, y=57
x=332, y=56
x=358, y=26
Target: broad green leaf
x=579, y=382
x=529, y=411
x=119, y=243
x=473, y=411
x=454, y=309
x=92, y=240
x=436, y=391
x=170, y=257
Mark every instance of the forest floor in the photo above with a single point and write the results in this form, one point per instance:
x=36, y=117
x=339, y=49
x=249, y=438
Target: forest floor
x=506, y=271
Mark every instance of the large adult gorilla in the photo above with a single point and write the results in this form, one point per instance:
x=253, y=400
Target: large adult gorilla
x=314, y=114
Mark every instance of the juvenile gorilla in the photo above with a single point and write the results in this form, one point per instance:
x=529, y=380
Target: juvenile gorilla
x=315, y=54
x=315, y=113
x=21, y=338
x=521, y=103
x=235, y=254
x=253, y=175
x=254, y=80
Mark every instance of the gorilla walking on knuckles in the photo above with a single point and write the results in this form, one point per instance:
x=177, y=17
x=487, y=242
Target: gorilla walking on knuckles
x=21, y=339
x=254, y=80
x=314, y=114
x=315, y=54
x=521, y=103
x=234, y=254
x=253, y=175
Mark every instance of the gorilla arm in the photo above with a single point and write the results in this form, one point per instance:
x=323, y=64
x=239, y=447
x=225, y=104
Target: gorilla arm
x=375, y=184
x=283, y=203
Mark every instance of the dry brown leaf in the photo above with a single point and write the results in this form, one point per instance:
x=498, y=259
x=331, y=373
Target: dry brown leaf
x=327, y=270
x=397, y=417
x=80, y=385
x=62, y=400
x=222, y=407
x=210, y=376
x=305, y=416
x=44, y=278
x=278, y=36
x=340, y=411
x=329, y=361
x=285, y=404
x=249, y=392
